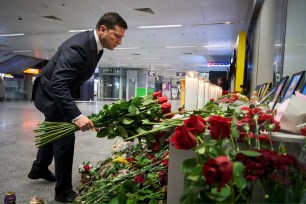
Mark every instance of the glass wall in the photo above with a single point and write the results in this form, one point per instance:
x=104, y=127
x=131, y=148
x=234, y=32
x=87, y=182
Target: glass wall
x=112, y=84
x=295, y=41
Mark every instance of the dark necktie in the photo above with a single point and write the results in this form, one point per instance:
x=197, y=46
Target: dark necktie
x=100, y=53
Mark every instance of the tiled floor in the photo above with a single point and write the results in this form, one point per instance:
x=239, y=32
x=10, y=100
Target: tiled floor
x=17, y=149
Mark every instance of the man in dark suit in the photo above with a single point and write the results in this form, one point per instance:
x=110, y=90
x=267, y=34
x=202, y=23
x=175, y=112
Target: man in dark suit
x=54, y=92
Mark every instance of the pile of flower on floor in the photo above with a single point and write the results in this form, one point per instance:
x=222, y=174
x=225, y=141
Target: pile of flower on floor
x=134, y=173
x=236, y=160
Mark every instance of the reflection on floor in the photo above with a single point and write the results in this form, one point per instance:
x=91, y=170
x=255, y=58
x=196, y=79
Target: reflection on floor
x=17, y=149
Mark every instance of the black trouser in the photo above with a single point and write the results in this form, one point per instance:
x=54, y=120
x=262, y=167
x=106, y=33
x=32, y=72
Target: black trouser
x=62, y=150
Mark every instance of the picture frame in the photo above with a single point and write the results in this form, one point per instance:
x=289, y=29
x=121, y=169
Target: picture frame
x=270, y=93
x=293, y=84
x=279, y=88
x=265, y=90
x=304, y=90
x=261, y=87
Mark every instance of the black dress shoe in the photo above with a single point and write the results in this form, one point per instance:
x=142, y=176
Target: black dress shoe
x=67, y=197
x=47, y=175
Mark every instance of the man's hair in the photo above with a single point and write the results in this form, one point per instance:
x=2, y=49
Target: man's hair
x=110, y=19
x=221, y=78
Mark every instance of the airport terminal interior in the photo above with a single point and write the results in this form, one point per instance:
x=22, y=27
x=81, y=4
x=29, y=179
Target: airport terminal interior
x=177, y=49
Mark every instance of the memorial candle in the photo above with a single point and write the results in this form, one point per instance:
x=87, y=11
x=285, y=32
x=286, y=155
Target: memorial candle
x=191, y=90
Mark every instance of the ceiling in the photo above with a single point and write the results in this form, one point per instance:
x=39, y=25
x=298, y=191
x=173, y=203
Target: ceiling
x=202, y=30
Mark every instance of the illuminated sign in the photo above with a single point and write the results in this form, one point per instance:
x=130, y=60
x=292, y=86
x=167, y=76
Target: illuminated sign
x=218, y=64
x=180, y=74
x=151, y=73
x=31, y=71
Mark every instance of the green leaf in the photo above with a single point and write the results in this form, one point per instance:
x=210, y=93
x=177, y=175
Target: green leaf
x=238, y=171
x=194, y=177
x=188, y=165
x=150, y=138
x=130, y=200
x=224, y=193
x=235, y=133
x=214, y=151
x=200, y=149
x=110, y=129
x=115, y=107
x=140, y=130
x=145, y=121
x=102, y=133
x=250, y=153
x=153, y=201
x=133, y=110
x=114, y=201
x=127, y=120
x=122, y=131
x=190, y=195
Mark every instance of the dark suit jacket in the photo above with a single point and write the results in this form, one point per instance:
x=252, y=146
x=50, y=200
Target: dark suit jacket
x=59, y=83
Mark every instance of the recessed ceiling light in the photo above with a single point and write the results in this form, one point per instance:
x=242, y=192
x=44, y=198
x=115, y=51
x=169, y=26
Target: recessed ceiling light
x=218, y=23
x=217, y=46
x=148, y=58
x=181, y=46
x=126, y=48
x=22, y=51
x=11, y=35
x=124, y=58
x=76, y=31
x=160, y=26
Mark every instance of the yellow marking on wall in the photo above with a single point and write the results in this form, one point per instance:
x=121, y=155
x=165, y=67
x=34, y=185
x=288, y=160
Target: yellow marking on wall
x=241, y=40
x=182, y=97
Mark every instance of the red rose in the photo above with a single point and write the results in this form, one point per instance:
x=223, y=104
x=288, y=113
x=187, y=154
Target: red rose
x=162, y=99
x=151, y=156
x=219, y=127
x=195, y=124
x=218, y=170
x=224, y=92
x=130, y=159
x=183, y=139
x=303, y=131
x=163, y=177
x=212, y=100
x=166, y=108
x=264, y=139
x=86, y=167
x=157, y=94
x=155, y=146
x=139, y=178
x=165, y=162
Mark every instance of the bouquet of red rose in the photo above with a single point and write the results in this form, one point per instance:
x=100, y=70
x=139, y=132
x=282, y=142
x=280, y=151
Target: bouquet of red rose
x=123, y=118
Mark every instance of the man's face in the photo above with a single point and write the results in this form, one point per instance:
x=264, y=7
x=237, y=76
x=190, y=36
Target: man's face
x=111, y=38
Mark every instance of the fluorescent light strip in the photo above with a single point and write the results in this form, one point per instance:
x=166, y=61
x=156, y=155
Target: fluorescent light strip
x=126, y=48
x=22, y=51
x=160, y=26
x=124, y=58
x=182, y=46
x=76, y=31
x=11, y=35
x=218, y=46
x=148, y=58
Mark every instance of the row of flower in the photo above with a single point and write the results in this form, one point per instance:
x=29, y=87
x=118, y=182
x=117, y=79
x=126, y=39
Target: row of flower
x=236, y=160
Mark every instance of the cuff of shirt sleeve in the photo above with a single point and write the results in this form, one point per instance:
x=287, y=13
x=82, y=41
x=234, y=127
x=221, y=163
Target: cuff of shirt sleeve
x=73, y=120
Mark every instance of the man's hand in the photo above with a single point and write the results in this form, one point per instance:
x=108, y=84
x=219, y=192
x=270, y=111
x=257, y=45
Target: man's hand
x=83, y=123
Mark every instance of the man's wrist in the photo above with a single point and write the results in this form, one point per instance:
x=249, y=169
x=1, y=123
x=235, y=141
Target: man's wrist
x=73, y=120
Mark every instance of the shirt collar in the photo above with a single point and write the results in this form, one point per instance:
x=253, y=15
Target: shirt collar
x=99, y=45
